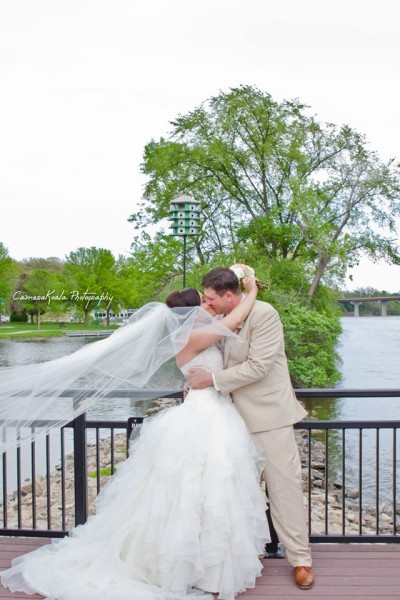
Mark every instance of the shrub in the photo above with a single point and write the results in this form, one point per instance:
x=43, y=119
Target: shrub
x=19, y=317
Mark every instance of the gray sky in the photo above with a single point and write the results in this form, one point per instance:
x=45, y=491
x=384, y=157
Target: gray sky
x=85, y=84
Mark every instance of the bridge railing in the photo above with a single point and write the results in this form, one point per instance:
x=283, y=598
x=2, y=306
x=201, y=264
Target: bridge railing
x=350, y=474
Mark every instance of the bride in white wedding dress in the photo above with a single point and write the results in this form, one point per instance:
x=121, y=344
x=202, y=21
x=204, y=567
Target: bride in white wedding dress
x=183, y=515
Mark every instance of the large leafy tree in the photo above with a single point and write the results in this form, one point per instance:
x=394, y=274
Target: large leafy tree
x=52, y=264
x=268, y=175
x=89, y=274
x=37, y=289
x=153, y=267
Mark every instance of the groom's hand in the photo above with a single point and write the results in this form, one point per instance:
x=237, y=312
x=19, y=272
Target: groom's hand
x=198, y=379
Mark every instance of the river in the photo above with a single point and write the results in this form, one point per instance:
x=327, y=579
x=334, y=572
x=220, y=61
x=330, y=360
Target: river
x=369, y=348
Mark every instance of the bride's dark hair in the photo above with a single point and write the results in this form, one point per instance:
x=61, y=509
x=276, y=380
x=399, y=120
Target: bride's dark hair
x=185, y=297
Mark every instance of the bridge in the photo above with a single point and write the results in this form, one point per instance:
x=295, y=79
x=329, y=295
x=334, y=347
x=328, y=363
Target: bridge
x=382, y=299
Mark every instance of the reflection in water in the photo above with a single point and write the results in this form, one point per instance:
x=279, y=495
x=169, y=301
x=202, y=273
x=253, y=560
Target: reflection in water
x=25, y=352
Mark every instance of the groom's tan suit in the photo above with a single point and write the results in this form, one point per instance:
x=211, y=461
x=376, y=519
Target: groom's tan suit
x=257, y=378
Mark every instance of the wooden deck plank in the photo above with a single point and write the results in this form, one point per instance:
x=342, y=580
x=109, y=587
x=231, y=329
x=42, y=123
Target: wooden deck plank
x=342, y=572
x=322, y=548
x=274, y=591
x=332, y=580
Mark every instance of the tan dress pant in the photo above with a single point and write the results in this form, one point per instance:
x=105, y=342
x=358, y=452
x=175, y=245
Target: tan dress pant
x=282, y=474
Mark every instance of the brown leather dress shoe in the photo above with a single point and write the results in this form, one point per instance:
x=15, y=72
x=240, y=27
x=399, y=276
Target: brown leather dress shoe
x=304, y=577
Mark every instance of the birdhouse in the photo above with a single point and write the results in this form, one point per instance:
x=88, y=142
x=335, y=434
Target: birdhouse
x=185, y=215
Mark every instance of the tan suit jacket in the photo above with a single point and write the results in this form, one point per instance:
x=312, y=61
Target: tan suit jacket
x=256, y=374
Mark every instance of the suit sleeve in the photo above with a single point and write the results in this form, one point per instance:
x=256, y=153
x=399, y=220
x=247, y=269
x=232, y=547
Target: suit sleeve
x=266, y=339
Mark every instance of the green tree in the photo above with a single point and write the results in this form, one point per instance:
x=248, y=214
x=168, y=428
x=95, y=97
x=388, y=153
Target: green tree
x=154, y=266
x=311, y=338
x=35, y=294
x=268, y=174
x=8, y=276
x=120, y=287
x=52, y=264
x=87, y=275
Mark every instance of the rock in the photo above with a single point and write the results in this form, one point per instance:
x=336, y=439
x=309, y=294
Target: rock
x=319, y=466
x=317, y=475
x=353, y=494
x=351, y=517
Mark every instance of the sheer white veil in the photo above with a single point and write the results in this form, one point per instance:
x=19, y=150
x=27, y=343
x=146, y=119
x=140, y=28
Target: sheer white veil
x=139, y=357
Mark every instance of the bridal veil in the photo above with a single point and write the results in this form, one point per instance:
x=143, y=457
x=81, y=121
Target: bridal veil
x=139, y=357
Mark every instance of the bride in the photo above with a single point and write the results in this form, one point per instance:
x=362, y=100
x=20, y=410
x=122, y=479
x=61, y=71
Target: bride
x=185, y=514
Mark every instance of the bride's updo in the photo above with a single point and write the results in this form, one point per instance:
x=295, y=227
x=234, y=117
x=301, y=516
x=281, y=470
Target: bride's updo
x=182, y=298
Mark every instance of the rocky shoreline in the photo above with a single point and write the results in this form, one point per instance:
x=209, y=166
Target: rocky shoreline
x=48, y=508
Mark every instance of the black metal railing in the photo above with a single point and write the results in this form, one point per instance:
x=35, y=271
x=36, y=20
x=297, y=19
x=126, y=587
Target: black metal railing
x=359, y=497
x=51, y=485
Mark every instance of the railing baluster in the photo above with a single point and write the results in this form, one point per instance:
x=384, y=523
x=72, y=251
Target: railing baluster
x=5, y=504
x=98, y=459
x=48, y=481
x=377, y=479
x=33, y=481
x=394, y=480
x=80, y=467
x=326, y=481
x=63, y=494
x=360, y=471
x=19, y=486
x=343, y=481
x=112, y=450
x=309, y=481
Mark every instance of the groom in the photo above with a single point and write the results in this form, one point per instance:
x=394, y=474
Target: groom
x=257, y=378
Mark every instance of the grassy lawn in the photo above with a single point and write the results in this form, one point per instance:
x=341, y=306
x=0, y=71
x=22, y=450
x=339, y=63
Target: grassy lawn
x=27, y=330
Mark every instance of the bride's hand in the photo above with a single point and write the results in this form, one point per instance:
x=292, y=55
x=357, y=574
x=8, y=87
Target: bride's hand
x=250, y=284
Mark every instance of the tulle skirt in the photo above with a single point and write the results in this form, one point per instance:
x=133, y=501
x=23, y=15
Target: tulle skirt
x=184, y=513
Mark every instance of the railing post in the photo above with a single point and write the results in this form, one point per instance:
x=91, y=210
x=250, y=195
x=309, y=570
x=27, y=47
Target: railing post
x=81, y=503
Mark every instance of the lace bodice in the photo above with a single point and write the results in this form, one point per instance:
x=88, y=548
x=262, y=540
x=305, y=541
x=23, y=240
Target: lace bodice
x=209, y=359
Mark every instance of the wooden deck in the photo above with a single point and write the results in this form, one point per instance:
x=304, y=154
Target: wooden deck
x=342, y=572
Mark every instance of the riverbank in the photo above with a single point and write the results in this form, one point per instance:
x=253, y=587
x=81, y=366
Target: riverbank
x=30, y=331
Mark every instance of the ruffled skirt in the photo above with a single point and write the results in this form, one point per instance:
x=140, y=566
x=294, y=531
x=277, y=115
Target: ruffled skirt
x=184, y=513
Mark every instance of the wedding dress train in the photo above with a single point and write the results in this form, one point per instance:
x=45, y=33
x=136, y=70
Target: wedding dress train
x=184, y=513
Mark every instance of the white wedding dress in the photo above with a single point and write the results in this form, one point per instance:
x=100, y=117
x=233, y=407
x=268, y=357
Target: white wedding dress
x=184, y=513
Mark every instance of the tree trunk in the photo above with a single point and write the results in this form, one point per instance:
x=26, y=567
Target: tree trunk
x=200, y=254
x=324, y=260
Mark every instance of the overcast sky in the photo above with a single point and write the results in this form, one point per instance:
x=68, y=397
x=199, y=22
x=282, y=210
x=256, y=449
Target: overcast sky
x=85, y=84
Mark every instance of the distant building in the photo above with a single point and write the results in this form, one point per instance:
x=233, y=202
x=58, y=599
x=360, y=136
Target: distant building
x=123, y=314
